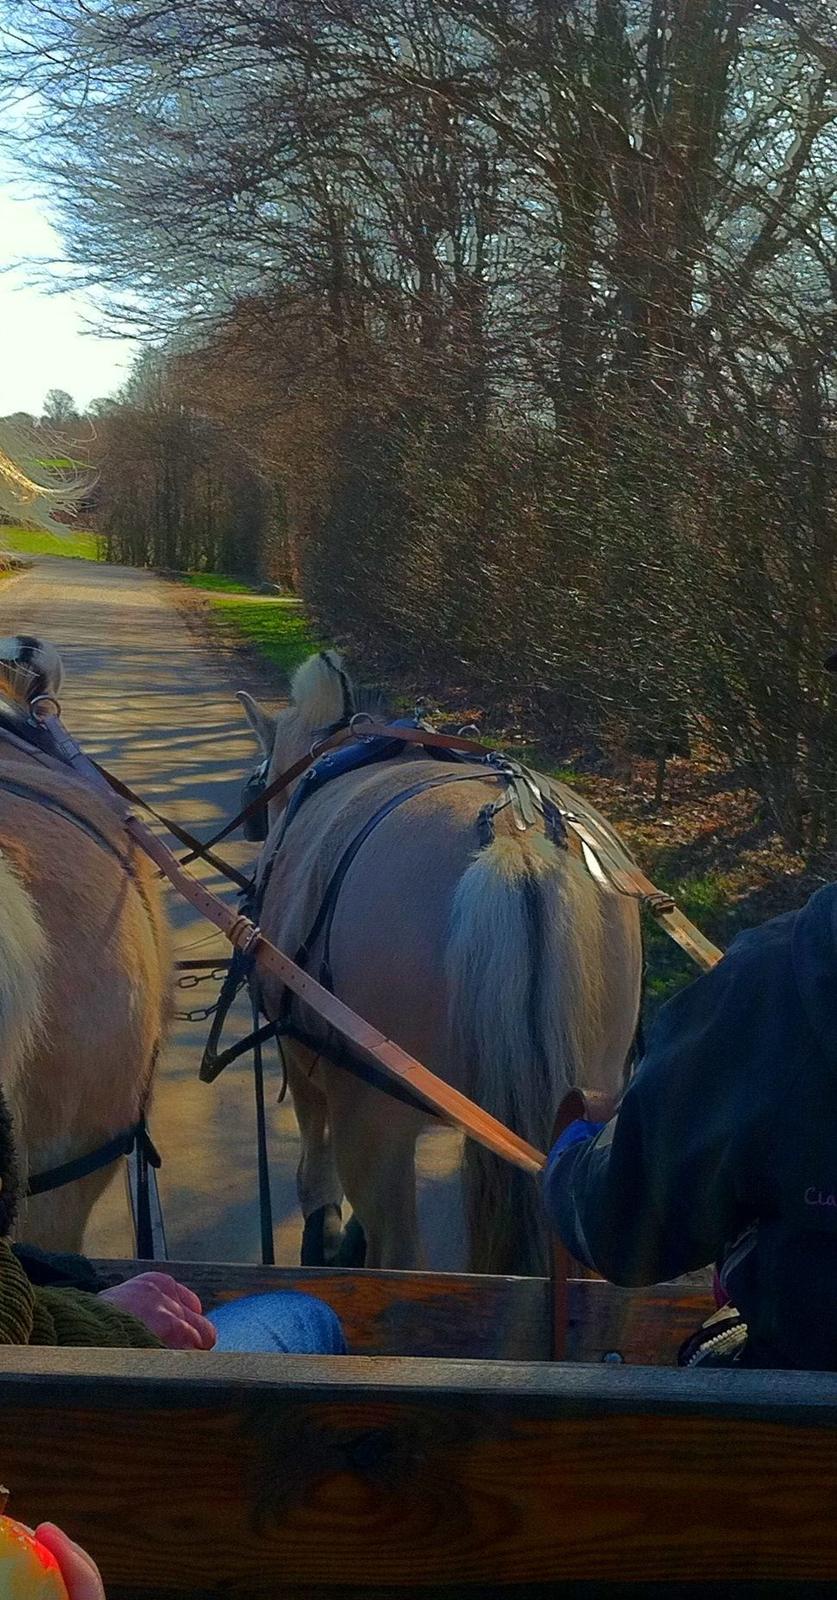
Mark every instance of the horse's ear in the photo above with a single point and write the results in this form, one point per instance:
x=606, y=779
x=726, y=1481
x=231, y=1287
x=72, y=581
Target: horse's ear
x=262, y=723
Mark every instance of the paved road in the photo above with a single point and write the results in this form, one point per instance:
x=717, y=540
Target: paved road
x=149, y=701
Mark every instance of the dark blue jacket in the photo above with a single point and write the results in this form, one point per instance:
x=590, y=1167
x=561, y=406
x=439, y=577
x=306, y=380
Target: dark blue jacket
x=725, y=1145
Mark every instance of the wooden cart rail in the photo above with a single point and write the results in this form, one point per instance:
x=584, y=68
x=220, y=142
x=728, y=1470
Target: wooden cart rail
x=461, y=1315
x=270, y=1477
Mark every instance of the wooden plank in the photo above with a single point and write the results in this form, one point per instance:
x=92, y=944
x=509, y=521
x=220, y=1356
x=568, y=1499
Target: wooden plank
x=642, y=1327
x=458, y=1315
x=594, y=1590
x=391, y=1313
x=525, y=1591
x=189, y=1475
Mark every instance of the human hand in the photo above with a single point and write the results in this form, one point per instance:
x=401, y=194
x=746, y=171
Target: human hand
x=168, y=1309
x=81, y=1575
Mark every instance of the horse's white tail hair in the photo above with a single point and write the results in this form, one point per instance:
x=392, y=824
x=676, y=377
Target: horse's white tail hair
x=524, y=966
x=22, y=959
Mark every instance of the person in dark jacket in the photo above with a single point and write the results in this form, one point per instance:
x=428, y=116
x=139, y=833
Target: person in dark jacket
x=725, y=1145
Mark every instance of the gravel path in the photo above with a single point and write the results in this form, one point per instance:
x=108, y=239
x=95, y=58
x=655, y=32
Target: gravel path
x=148, y=699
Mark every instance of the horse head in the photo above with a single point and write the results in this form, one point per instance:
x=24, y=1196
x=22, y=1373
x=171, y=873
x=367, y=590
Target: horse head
x=323, y=699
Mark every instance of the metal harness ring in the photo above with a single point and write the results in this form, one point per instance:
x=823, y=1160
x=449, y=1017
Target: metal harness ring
x=46, y=704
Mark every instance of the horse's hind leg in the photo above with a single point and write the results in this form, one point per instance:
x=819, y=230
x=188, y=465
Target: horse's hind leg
x=375, y=1148
x=317, y=1184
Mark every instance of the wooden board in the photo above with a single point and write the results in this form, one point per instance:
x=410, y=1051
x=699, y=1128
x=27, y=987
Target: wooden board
x=258, y=1477
x=459, y=1315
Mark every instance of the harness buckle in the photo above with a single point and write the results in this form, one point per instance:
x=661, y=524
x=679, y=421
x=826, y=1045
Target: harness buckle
x=658, y=904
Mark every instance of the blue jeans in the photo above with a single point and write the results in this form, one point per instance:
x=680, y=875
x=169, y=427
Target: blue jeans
x=296, y=1324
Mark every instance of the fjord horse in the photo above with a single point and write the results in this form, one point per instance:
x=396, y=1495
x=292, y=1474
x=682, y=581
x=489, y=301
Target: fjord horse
x=85, y=966
x=509, y=970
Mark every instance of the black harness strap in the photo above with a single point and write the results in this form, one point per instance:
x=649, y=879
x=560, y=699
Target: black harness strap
x=133, y=1139
x=332, y=1047
x=214, y=1062
x=328, y=905
x=123, y=1144
x=25, y=791
x=174, y=828
x=349, y=706
x=329, y=1045
x=25, y=731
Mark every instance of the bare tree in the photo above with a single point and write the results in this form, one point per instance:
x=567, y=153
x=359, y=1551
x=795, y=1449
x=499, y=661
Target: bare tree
x=524, y=311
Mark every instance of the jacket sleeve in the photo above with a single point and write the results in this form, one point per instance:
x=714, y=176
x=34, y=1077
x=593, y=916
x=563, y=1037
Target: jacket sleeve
x=667, y=1184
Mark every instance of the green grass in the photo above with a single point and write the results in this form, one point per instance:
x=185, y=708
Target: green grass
x=278, y=629
x=216, y=581
x=83, y=546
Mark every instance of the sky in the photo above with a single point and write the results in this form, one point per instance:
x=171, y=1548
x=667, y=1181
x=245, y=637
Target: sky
x=44, y=338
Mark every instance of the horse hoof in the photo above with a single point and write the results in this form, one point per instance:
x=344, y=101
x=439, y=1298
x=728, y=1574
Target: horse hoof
x=321, y=1237
x=352, y=1252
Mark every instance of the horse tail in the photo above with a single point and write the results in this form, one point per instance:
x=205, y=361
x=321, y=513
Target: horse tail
x=524, y=969
x=22, y=961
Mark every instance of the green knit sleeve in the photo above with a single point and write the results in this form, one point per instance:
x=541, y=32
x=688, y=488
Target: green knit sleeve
x=71, y=1317
x=17, y=1299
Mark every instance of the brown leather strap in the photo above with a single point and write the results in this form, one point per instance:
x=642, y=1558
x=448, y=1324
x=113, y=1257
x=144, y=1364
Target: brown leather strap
x=423, y=736
x=586, y=836
x=627, y=879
